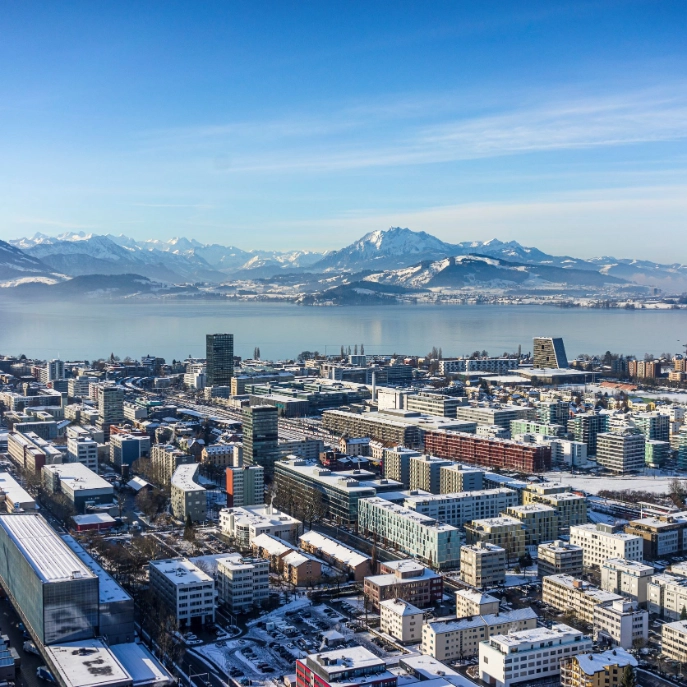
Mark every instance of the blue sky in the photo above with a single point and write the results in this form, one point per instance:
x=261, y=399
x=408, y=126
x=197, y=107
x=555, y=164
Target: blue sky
x=304, y=125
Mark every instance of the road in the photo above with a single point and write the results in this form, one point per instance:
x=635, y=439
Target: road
x=9, y=625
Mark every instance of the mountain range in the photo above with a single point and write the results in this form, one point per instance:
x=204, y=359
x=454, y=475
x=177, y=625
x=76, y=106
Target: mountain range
x=395, y=257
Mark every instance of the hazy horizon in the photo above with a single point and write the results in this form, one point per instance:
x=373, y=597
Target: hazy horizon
x=296, y=126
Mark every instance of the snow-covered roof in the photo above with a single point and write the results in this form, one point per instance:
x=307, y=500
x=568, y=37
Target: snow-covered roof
x=490, y=619
x=87, y=663
x=295, y=558
x=180, y=571
x=273, y=545
x=78, y=476
x=476, y=596
x=400, y=607
x=138, y=483
x=596, y=663
x=93, y=519
x=141, y=665
x=51, y=559
x=14, y=492
x=184, y=477
x=332, y=548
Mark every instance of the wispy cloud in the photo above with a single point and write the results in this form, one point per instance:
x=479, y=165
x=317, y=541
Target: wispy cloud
x=195, y=206
x=422, y=130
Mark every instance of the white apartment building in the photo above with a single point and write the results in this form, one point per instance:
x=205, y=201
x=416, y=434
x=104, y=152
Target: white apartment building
x=483, y=565
x=599, y=543
x=457, y=509
x=83, y=450
x=184, y=588
x=401, y=620
x=530, y=654
x=620, y=452
x=246, y=523
x=569, y=453
x=622, y=623
x=242, y=583
x=449, y=640
x=188, y=498
x=245, y=486
x=558, y=557
x=667, y=595
x=674, y=640
x=569, y=594
x=471, y=602
x=134, y=411
x=435, y=544
x=629, y=578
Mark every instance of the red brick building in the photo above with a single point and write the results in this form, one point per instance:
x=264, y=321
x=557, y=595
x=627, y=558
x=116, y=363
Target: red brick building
x=494, y=453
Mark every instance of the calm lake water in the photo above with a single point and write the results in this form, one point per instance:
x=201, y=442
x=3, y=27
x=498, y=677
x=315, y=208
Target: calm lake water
x=175, y=330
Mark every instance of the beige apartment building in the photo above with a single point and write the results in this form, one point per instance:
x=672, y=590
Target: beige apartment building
x=558, y=557
x=596, y=670
x=483, y=565
x=570, y=508
x=505, y=531
x=674, y=640
x=448, y=640
x=470, y=602
x=540, y=522
x=566, y=593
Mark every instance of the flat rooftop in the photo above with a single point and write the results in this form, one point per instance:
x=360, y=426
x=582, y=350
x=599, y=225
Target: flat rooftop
x=183, y=477
x=51, y=559
x=459, y=495
x=350, y=481
x=141, y=665
x=87, y=663
x=78, y=476
x=558, y=633
x=409, y=514
x=180, y=571
x=14, y=490
x=260, y=515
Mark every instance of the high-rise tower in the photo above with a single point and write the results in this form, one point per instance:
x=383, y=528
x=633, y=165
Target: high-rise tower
x=220, y=359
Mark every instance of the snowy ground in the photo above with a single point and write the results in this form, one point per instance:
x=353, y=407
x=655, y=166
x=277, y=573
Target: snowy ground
x=654, y=484
x=529, y=576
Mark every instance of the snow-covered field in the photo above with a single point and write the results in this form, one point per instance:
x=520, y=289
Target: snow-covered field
x=656, y=485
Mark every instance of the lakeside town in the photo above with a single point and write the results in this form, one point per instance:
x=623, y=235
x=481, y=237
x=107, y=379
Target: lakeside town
x=344, y=519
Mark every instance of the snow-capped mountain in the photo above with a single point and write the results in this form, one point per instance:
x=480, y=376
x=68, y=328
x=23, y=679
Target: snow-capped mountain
x=395, y=247
x=187, y=260
x=178, y=259
x=474, y=270
x=79, y=254
x=18, y=267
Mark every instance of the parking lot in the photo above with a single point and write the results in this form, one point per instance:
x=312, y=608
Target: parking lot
x=275, y=640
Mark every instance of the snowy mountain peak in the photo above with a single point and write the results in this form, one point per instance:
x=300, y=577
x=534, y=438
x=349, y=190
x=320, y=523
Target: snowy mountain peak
x=398, y=241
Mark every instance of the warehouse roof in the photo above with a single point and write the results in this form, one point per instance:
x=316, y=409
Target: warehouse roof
x=51, y=559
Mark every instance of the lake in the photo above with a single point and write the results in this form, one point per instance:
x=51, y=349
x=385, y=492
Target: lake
x=78, y=330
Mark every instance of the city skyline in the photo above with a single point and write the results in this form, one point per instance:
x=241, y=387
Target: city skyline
x=557, y=125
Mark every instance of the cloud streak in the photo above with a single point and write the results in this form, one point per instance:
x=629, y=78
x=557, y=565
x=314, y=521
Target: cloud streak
x=434, y=130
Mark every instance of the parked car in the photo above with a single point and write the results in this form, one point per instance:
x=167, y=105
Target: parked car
x=30, y=648
x=43, y=673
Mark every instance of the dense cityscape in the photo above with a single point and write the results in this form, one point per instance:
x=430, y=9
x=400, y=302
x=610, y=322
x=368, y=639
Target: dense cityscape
x=347, y=519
